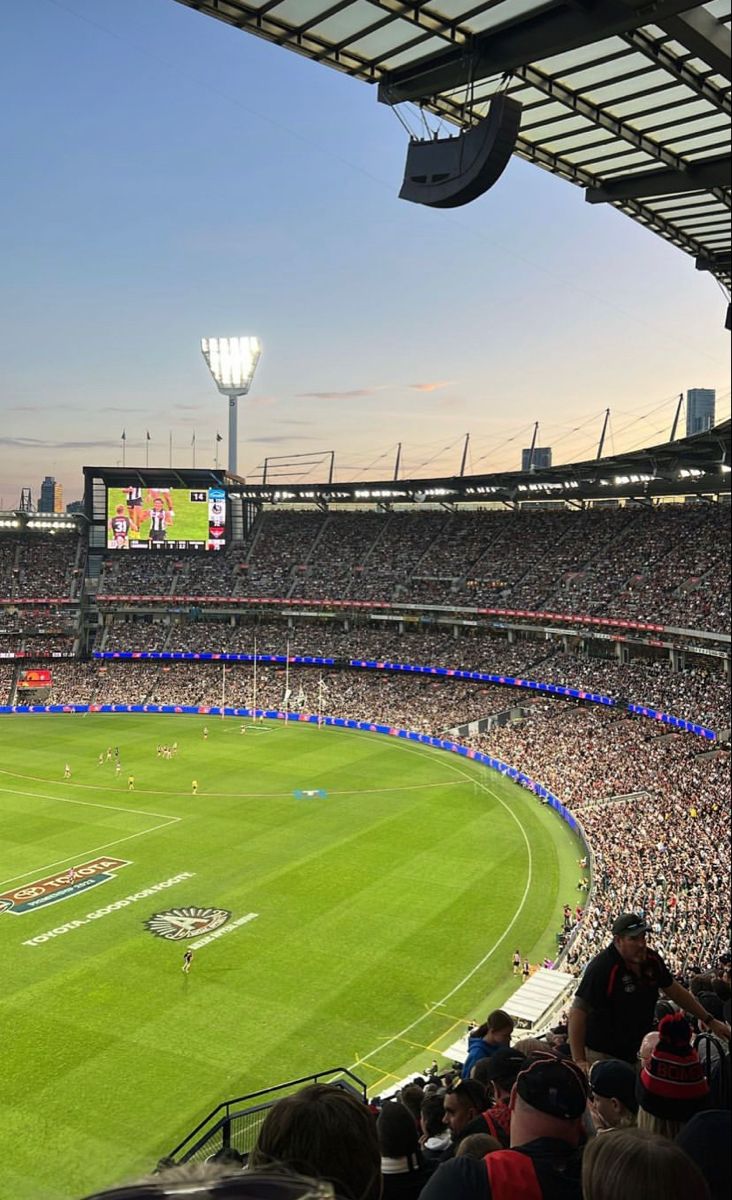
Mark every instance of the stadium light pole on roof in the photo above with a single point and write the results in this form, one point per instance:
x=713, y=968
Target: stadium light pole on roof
x=232, y=362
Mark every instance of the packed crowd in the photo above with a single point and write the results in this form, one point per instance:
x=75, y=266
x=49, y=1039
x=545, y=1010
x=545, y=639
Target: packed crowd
x=521, y=1121
x=424, y=703
x=35, y=566
x=700, y=693
x=7, y=672
x=142, y=574
x=669, y=564
x=664, y=847
x=38, y=631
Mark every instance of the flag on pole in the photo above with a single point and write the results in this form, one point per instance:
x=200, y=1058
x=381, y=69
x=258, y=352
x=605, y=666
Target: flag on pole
x=147, y=436
x=193, y=440
x=124, y=436
x=219, y=437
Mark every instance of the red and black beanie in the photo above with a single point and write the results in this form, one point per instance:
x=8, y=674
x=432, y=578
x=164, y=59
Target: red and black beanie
x=673, y=1085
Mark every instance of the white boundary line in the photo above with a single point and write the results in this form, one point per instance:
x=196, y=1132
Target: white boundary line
x=138, y=812
x=466, y=978
x=107, y=845
x=399, y=744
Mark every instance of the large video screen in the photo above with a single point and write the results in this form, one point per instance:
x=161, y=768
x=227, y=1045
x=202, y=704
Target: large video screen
x=160, y=519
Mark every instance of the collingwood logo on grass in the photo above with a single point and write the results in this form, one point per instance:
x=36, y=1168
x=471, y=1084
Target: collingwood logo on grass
x=178, y=923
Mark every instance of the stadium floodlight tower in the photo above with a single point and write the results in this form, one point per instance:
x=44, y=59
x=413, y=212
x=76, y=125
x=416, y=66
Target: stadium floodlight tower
x=232, y=362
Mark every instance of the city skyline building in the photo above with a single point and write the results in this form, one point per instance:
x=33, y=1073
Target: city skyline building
x=700, y=410
x=51, y=497
x=542, y=458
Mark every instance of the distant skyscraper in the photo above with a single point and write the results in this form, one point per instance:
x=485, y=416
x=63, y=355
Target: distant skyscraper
x=52, y=496
x=700, y=404
x=542, y=458
x=45, y=502
x=75, y=506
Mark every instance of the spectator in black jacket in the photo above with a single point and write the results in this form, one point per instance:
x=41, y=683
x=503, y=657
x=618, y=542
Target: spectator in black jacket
x=548, y=1105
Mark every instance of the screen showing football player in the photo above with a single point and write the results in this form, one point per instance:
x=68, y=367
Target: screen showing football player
x=159, y=519
x=163, y=494
x=119, y=529
x=134, y=505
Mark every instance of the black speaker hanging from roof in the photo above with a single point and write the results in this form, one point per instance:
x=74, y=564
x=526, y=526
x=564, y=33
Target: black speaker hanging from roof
x=450, y=172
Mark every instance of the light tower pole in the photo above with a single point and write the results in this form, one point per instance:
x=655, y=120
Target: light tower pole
x=232, y=363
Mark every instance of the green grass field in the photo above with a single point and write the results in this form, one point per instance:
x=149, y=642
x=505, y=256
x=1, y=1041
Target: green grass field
x=190, y=521
x=387, y=914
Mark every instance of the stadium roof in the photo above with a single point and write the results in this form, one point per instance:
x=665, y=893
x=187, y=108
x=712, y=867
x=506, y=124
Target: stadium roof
x=625, y=98
x=693, y=465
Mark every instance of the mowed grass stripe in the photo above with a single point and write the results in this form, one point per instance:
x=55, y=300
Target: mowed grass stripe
x=372, y=907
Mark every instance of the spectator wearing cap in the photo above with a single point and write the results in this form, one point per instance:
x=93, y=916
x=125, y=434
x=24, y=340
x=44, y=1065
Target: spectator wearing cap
x=548, y=1103
x=614, y=1004
x=487, y=1039
x=673, y=1087
x=634, y=1164
x=499, y=1073
x=612, y=1095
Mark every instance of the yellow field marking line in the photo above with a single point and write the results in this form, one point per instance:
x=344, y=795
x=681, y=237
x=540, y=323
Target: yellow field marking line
x=458, y=1020
x=72, y=858
x=441, y=1037
x=416, y=1045
x=371, y=1067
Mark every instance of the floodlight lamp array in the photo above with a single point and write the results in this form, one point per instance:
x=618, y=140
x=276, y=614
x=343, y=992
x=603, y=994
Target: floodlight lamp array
x=232, y=362
x=51, y=525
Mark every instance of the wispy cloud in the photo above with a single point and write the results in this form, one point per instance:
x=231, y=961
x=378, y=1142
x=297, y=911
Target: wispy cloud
x=120, y=408
x=284, y=439
x=29, y=443
x=352, y=394
x=431, y=387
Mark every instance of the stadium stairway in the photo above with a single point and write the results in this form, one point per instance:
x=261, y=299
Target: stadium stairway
x=297, y=575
